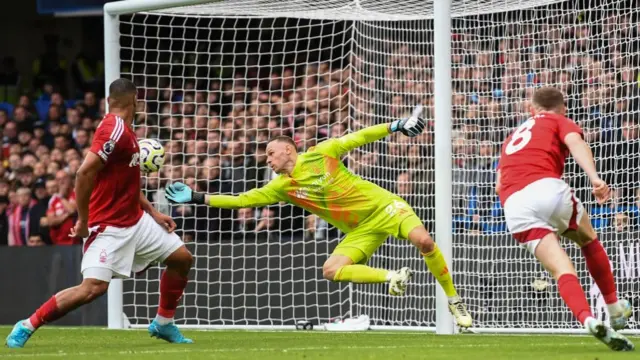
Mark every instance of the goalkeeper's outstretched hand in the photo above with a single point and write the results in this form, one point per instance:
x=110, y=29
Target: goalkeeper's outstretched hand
x=179, y=193
x=412, y=126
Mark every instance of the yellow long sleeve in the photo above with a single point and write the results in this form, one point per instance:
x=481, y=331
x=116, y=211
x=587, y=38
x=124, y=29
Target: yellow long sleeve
x=252, y=198
x=337, y=147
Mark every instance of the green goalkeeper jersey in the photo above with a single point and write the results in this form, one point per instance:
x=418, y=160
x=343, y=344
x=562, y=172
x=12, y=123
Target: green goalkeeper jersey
x=321, y=184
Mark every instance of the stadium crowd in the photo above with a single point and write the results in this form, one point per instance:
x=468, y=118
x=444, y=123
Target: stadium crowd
x=215, y=136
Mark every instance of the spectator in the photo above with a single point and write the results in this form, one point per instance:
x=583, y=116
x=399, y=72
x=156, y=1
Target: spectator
x=245, y=220
x=88, y=70
x=61, y=211
x=4, y=220
x=315, y=228
x=19, y=217
x=267, y=221
x=49, y=69
x=10, y=81
x=628, y=162
x=38, y=227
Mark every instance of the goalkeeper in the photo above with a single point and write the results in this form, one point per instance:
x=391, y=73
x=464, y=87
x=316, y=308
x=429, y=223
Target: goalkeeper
x=318, y=182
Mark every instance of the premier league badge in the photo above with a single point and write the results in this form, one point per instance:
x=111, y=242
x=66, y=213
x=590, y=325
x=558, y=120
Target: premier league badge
x=108, y=147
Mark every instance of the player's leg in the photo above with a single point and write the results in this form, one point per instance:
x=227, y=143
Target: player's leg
x=101, y=252
x=553, y=257
x=172, y=283
x=413, y=229
x=599, y=267
x=557, y=262
x=56, y=307
x=154, y=244
x=347, y=262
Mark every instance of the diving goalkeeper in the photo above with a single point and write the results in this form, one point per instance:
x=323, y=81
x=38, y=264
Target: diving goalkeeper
x=318, y=182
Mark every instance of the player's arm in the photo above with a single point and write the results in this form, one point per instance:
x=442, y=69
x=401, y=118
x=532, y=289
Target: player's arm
x=85, y=180
x=146, y=205
x=164, y=220
x=266, y=195
x=581, y=151
x=411, y=127
x=498, y=183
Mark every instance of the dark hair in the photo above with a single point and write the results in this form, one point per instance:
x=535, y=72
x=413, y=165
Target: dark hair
x=548, y=98
x=284, y=139
x=122, y=87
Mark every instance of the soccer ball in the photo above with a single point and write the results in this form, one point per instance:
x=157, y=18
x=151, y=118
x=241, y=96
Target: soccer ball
x=151, y=155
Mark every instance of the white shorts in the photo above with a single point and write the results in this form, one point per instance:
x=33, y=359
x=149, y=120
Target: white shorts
x=542, y=207
x=120, y=252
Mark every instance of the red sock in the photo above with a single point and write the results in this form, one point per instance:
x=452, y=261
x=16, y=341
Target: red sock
x=171, y=289
x=600, y=269
x=573, y=295
x=47, y=313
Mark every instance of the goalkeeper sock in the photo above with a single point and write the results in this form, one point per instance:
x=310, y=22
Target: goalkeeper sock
x=573, y=295
x=171, y=289
x=46, y=313
x=600, y=269
x=438, y=267
x=361, y=274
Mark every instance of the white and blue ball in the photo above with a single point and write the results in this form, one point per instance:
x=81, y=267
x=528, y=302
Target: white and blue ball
x=151, y=155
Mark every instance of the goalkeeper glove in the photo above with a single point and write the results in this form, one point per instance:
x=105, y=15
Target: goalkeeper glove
x=411, y=126
x=181, y=194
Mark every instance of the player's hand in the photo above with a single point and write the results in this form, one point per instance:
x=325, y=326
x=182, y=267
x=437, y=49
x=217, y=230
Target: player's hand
x=601, y=191
x=165, y=221
x=81, y=230
x=178, y=193
x=412, y=126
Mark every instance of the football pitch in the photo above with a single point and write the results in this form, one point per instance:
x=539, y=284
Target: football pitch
x=94, y=343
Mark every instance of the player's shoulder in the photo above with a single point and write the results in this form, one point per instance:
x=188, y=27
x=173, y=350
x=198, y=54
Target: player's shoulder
x=277, y=183
x=112, y=127
x=110, y=122
x=553, y=118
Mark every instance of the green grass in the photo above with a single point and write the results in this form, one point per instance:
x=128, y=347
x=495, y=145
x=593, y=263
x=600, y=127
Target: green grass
x=92, y=343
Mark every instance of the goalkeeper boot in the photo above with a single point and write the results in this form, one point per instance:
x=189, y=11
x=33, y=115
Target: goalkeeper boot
x=459, y=311
x=608, y=336
x=399, y=281
x=18, y=336
x=168, y=332
x=619, y=321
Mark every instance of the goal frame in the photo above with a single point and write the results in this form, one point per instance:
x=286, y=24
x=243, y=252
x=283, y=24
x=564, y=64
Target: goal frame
x=443, y=167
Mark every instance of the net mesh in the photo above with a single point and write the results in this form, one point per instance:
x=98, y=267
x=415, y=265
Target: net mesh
x=218, y=80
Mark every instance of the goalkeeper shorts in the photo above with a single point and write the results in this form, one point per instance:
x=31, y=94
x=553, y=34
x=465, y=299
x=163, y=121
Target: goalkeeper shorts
x=396, y=219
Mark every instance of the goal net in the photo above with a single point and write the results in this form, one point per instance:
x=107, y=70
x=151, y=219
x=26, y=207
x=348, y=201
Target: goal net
x=221, y=78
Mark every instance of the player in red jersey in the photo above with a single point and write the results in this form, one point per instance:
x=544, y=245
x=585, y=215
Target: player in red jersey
x=61, y=208
x=122, y=232
x=538, y=205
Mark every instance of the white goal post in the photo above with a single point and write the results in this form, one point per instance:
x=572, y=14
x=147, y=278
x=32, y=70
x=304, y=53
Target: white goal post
x=214, y=75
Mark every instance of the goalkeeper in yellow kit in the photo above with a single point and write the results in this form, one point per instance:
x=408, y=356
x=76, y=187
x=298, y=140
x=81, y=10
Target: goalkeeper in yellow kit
x=318, y=182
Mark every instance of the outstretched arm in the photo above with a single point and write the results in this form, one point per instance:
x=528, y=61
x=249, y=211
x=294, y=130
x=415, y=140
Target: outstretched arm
x=181, y=193
x=337, y=147
x=411, y=127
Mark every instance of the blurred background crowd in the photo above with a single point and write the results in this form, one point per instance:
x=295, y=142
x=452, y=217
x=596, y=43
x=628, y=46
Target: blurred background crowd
x=215, y=131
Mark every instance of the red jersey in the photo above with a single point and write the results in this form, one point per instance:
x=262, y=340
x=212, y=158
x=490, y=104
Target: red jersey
x=535, y=150
x=115, y=200
x=60, y=234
